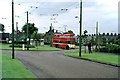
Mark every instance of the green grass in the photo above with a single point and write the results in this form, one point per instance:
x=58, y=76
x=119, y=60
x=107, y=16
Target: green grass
x=100, y=57
x=5, y=46
x=39, y=48
x=0, y=65
x=14, y=68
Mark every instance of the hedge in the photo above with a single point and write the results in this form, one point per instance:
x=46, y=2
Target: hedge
x=20, y=46
x=111, y=48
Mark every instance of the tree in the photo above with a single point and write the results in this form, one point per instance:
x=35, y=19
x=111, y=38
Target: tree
x=31, y=29
x=85, y=38
x=115, y=34
x=2, y=28
x=94, y=34
x=118, y=38
x=92, y=41
x=71, y=32
x=111, y=34
x=118, y=35
x=103, y=34
x=108, y=40
x=85, y=32
x=107, y=34
x=104, y=40
x=33, y=36
x=36, y=37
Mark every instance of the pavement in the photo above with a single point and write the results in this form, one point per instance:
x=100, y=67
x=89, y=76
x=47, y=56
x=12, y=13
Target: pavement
x=53, y=64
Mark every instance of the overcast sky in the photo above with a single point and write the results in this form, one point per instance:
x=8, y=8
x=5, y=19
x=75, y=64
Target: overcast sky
x=103, y=11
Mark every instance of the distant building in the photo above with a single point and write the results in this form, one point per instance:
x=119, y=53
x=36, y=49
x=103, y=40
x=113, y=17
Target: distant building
x=4, y=37
x=47, y=36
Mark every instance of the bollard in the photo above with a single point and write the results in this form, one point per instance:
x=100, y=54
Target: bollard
x=23, y=46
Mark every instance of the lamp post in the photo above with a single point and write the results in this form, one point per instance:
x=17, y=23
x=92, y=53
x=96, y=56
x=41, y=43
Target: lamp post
x=16, y=32
x=97, y=35
x=27, y=32
x=80, y=38
x=13, y=56
x=28, y=39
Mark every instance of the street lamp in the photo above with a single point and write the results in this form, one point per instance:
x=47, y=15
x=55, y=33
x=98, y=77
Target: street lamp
x=28, y=41
x=97, y=44
x=16, y=32
x=16, y=29
x=97, y=35
x=27, y=32
x=80, y=38
x=13, y=56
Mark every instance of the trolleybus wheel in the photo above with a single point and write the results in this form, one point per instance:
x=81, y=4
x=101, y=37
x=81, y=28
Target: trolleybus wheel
x=67, y=48
x=56, y=46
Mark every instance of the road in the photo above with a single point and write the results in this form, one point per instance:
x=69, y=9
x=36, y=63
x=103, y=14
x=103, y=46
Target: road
x=53, y=64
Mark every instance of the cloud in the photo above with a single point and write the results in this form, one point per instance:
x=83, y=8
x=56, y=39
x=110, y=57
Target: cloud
x=104, y=11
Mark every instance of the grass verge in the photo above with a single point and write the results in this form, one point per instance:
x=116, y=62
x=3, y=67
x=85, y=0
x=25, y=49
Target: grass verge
x=0, y=65
x=14, y=68
x=38, y=48
x=99, y=57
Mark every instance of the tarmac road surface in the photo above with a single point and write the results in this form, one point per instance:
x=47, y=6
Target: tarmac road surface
x=53, y=64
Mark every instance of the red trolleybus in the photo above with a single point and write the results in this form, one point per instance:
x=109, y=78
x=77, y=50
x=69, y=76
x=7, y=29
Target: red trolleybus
x=65, y=41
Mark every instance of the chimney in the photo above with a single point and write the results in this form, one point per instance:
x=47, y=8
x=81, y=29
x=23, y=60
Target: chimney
x=51, y=26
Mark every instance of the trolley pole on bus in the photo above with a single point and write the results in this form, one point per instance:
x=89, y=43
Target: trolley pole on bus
x=13, y=56
x=80, y=38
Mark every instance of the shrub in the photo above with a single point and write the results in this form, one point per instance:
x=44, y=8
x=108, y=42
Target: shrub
x=103, y=49
x=20, y=46
x=112, y=48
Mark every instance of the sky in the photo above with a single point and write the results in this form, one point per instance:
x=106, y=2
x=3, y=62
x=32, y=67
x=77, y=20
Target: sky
x=103, y=11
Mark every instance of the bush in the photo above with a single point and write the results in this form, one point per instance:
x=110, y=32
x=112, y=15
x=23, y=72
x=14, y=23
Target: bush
x=112, y=48
x=103, y=49
x=20, y=46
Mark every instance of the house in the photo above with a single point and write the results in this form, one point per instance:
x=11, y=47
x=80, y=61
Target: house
x=47, y=36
